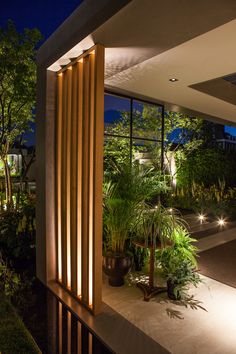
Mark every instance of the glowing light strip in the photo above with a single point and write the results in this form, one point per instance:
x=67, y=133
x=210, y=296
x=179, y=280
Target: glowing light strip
x=79, y=268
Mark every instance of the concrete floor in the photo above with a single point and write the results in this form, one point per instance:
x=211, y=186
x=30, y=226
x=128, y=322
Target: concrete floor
x=205, y=324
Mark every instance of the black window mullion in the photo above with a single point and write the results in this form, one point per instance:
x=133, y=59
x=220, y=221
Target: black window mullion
x=162, y=138
x=131, y=129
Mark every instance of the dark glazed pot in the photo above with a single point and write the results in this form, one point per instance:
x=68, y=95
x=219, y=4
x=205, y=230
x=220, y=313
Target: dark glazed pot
x=116, y=267
x=172, y=294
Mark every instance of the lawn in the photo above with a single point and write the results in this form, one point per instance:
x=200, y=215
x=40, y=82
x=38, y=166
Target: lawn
x=14, y=337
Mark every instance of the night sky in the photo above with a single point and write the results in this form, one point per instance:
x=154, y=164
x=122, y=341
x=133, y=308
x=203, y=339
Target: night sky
x=47, y=16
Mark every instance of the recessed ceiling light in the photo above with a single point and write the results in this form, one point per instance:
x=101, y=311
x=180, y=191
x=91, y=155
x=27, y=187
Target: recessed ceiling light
x=173, y=79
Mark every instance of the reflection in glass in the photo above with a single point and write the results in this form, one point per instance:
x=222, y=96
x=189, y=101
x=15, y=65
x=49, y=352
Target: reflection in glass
x=116, y=152
x=147, y=152
x=146, y=120
x=117, y=115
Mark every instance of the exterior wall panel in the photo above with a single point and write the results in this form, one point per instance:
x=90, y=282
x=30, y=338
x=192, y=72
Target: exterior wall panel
x=79, y=161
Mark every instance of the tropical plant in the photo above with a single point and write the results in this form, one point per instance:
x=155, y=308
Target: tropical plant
x=124, y=197
x=178, y=261
x=157, y=225
x=9, y=280
x=155, y=230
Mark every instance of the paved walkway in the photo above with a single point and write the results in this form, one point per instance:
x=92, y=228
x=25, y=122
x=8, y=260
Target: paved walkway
x=206, y=324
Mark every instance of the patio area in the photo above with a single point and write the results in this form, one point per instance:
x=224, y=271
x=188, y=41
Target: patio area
x=204, y=324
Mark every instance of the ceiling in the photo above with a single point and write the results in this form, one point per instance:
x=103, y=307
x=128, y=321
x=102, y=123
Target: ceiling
x=150, y=41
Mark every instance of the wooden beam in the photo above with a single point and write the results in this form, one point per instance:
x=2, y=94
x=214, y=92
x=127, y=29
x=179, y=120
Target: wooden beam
x=98, y=176
x=58, y=175
x=73, y=191
x=63, y=180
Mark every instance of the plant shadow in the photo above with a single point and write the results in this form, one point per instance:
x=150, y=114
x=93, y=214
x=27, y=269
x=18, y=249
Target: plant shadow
x=188, y=301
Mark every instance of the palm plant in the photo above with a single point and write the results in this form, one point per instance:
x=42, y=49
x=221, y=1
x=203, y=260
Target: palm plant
x=124, y=199
x=155, y=230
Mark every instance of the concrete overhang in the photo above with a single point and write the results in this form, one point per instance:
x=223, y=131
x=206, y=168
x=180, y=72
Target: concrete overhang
x=149, y=42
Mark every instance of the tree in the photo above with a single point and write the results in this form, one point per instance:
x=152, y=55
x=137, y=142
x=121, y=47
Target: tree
x=17, y=90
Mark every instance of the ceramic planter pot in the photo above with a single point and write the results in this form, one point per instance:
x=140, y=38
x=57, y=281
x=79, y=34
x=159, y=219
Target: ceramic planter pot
x=116, y=268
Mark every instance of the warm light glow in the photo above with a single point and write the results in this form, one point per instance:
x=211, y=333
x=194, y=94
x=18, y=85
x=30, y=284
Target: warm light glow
x=90, y=268
x=173, y=170
x=81, y=60
x=173, y=79
x=93, y=52
x=60, y=74
x=201, y=217
x=69, y=68
x=79, y=256
x=170, y=210
x=221, y=222
x=59, y=250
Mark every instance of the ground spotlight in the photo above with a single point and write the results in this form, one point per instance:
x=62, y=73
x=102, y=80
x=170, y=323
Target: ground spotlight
x=221, y=222
x=201, y=217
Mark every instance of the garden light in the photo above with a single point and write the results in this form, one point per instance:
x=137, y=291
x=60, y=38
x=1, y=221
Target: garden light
x=221, y=222
x=170, y=210
x=201, y=217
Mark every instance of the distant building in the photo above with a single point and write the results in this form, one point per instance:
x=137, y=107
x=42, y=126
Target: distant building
x=228, y=142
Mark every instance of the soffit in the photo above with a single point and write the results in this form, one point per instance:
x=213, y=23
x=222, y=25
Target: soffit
x=149, y=41
x=198, y=64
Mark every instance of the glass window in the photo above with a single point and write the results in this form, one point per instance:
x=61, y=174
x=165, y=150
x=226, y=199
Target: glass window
x=131, y=137
x=117, y=115
x=146, y=120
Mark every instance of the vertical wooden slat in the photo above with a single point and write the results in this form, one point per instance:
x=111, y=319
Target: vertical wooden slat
x=58, y=176
x=79, y=334
x=79, y=174
x=98, y=177
x=68, y=332
x=85, y=182
x=60, y=327
x=73, y=230
x=68, y=175
x=63, y=179
x=91, y=174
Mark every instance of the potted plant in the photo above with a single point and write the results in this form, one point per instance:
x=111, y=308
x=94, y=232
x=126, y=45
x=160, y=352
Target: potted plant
x=155, y=232
x=124, y=196
x=179, y=263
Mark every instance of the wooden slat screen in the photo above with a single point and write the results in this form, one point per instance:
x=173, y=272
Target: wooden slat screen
x=79, y=171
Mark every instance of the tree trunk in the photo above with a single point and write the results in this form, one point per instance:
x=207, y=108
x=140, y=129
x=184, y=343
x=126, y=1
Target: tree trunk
x=151, y=267
x=8, y=184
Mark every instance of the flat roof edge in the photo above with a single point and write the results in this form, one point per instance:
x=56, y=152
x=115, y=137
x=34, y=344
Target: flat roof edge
x=90, y=15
